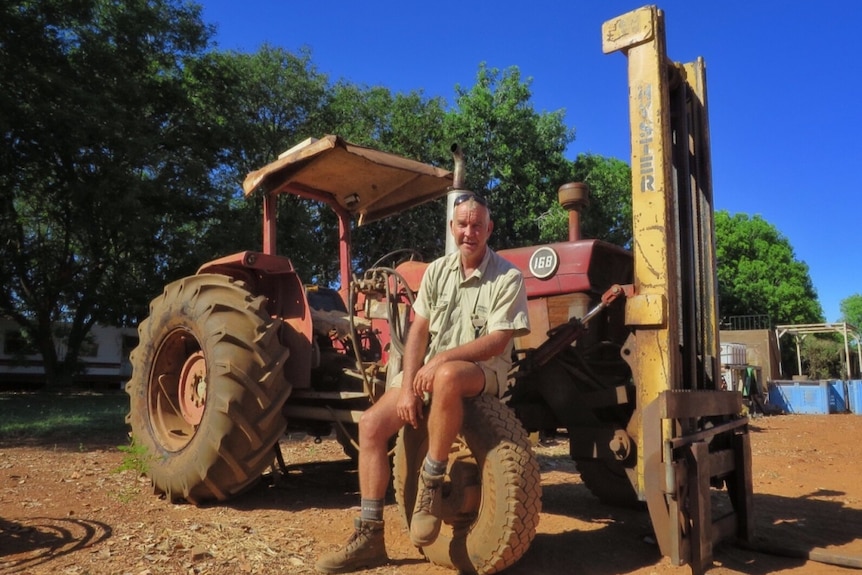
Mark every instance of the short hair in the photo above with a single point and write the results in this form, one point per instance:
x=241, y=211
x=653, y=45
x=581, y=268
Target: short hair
x=472, y=197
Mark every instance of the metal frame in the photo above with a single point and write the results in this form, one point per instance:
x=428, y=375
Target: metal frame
x=800, y=331
x=690, y=435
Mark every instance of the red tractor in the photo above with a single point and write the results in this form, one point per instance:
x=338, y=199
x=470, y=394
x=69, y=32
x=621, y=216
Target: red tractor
x=231, y=356
x=623, y=353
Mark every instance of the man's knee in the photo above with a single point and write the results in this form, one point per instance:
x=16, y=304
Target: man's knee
x=459, y=379
x=378, y=423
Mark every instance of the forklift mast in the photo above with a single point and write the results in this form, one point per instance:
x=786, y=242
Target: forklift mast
x=691, y=435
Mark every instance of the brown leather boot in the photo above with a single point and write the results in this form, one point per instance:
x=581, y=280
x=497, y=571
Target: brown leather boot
x=364, y=549
x=425, y=524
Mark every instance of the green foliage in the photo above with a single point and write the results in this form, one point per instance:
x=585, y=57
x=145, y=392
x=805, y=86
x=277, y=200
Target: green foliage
x=758, y=273
x=126, y=138
x=262, y=104
x=851, y=310
x=137, y=458
x=822, y=358
x=103, y=163
x=608, y=216
x=407, y=124
x=70, y=418
x=277, y=99
x=513, y=154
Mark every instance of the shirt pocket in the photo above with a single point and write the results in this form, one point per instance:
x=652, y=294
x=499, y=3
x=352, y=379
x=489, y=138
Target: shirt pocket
x=479, y=322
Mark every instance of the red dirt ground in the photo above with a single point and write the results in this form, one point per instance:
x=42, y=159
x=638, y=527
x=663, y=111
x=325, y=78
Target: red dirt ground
x=64, y=508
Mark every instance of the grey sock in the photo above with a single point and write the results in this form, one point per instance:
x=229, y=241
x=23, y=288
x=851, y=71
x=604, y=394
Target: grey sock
x=371, y=509
x=435, y=467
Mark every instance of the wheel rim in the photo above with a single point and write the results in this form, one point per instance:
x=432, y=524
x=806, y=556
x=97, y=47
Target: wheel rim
x=177, y=390
x=193, y=388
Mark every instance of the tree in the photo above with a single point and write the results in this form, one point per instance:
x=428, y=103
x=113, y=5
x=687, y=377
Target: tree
x=608, y=216
x=822, y=357
x=523, y=154
x=267, y=101
x=408, y=124
x=261, y=104
x=758, y=272
x=103, y=165
x=851, y=310
x=513, y=154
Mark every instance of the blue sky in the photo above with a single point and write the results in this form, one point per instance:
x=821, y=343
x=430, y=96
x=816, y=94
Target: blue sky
x=783, y=80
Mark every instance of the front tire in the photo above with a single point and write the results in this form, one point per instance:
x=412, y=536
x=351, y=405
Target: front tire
x=492, y=491
x=207, y=388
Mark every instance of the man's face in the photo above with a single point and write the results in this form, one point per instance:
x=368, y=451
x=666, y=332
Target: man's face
x=471, y=227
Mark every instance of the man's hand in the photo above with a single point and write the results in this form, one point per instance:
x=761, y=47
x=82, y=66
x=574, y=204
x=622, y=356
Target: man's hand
x=409, y=407
x=423, y=381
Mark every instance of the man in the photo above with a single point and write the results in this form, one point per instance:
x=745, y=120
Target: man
x=470, y=306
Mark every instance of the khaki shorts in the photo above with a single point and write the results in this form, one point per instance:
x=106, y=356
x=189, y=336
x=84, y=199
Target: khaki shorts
x=492, y=386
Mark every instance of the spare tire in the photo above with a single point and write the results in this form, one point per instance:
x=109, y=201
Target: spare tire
x=491, y=495
x=207, y=389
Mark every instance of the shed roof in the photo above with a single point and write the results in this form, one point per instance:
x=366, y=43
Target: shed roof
x=848, y=331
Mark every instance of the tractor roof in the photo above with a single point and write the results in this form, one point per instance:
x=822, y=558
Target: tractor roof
x=366, y=183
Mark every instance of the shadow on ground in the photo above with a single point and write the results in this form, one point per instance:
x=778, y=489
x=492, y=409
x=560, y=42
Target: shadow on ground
x=38, y=540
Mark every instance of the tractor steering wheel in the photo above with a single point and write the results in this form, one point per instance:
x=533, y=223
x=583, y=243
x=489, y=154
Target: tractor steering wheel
x=413, y=255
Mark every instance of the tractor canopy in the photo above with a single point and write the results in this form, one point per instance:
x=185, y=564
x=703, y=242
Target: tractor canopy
x=368, y=184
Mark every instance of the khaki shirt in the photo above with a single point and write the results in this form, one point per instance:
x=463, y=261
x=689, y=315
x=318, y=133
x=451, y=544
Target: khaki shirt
x=460, y=310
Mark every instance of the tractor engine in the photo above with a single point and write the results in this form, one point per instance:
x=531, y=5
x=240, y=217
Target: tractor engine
x=585, y=387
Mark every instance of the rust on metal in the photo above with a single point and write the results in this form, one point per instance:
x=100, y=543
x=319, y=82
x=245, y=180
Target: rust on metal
x=367, y=183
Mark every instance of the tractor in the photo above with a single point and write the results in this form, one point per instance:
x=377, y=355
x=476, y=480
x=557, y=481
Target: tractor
x=623, y=353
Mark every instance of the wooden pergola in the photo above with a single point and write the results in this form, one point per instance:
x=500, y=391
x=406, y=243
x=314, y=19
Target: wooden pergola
x=800, y=331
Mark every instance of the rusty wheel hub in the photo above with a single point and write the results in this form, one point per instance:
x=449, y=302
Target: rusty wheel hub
x=193, y=388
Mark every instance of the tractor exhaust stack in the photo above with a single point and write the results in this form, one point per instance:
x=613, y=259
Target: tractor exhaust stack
x=456, y=190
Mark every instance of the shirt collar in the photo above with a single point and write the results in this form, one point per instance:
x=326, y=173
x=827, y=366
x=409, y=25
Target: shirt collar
x=455, y=264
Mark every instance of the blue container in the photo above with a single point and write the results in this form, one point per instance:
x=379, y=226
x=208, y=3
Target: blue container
x=837, y=396
x=854, y=396
x=775, y=397
x=811, y=397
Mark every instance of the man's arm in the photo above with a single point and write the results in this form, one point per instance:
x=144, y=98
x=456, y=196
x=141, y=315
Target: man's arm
x=410, y=403
x=480, y=349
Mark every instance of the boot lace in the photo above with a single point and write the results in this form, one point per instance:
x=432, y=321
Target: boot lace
x=356, y=538
x=426, y=495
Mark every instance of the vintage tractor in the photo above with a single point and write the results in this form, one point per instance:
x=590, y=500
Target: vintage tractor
x=623, y=353
x=231, y=356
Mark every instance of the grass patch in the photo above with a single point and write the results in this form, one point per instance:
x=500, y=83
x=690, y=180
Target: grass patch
x=81, y=418
x=136, y=458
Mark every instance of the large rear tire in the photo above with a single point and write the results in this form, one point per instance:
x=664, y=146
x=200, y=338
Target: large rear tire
x=492, y=492
x=207, y=389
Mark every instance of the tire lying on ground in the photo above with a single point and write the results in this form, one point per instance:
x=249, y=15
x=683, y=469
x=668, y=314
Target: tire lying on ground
x=207, y=389
x=492, y=491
